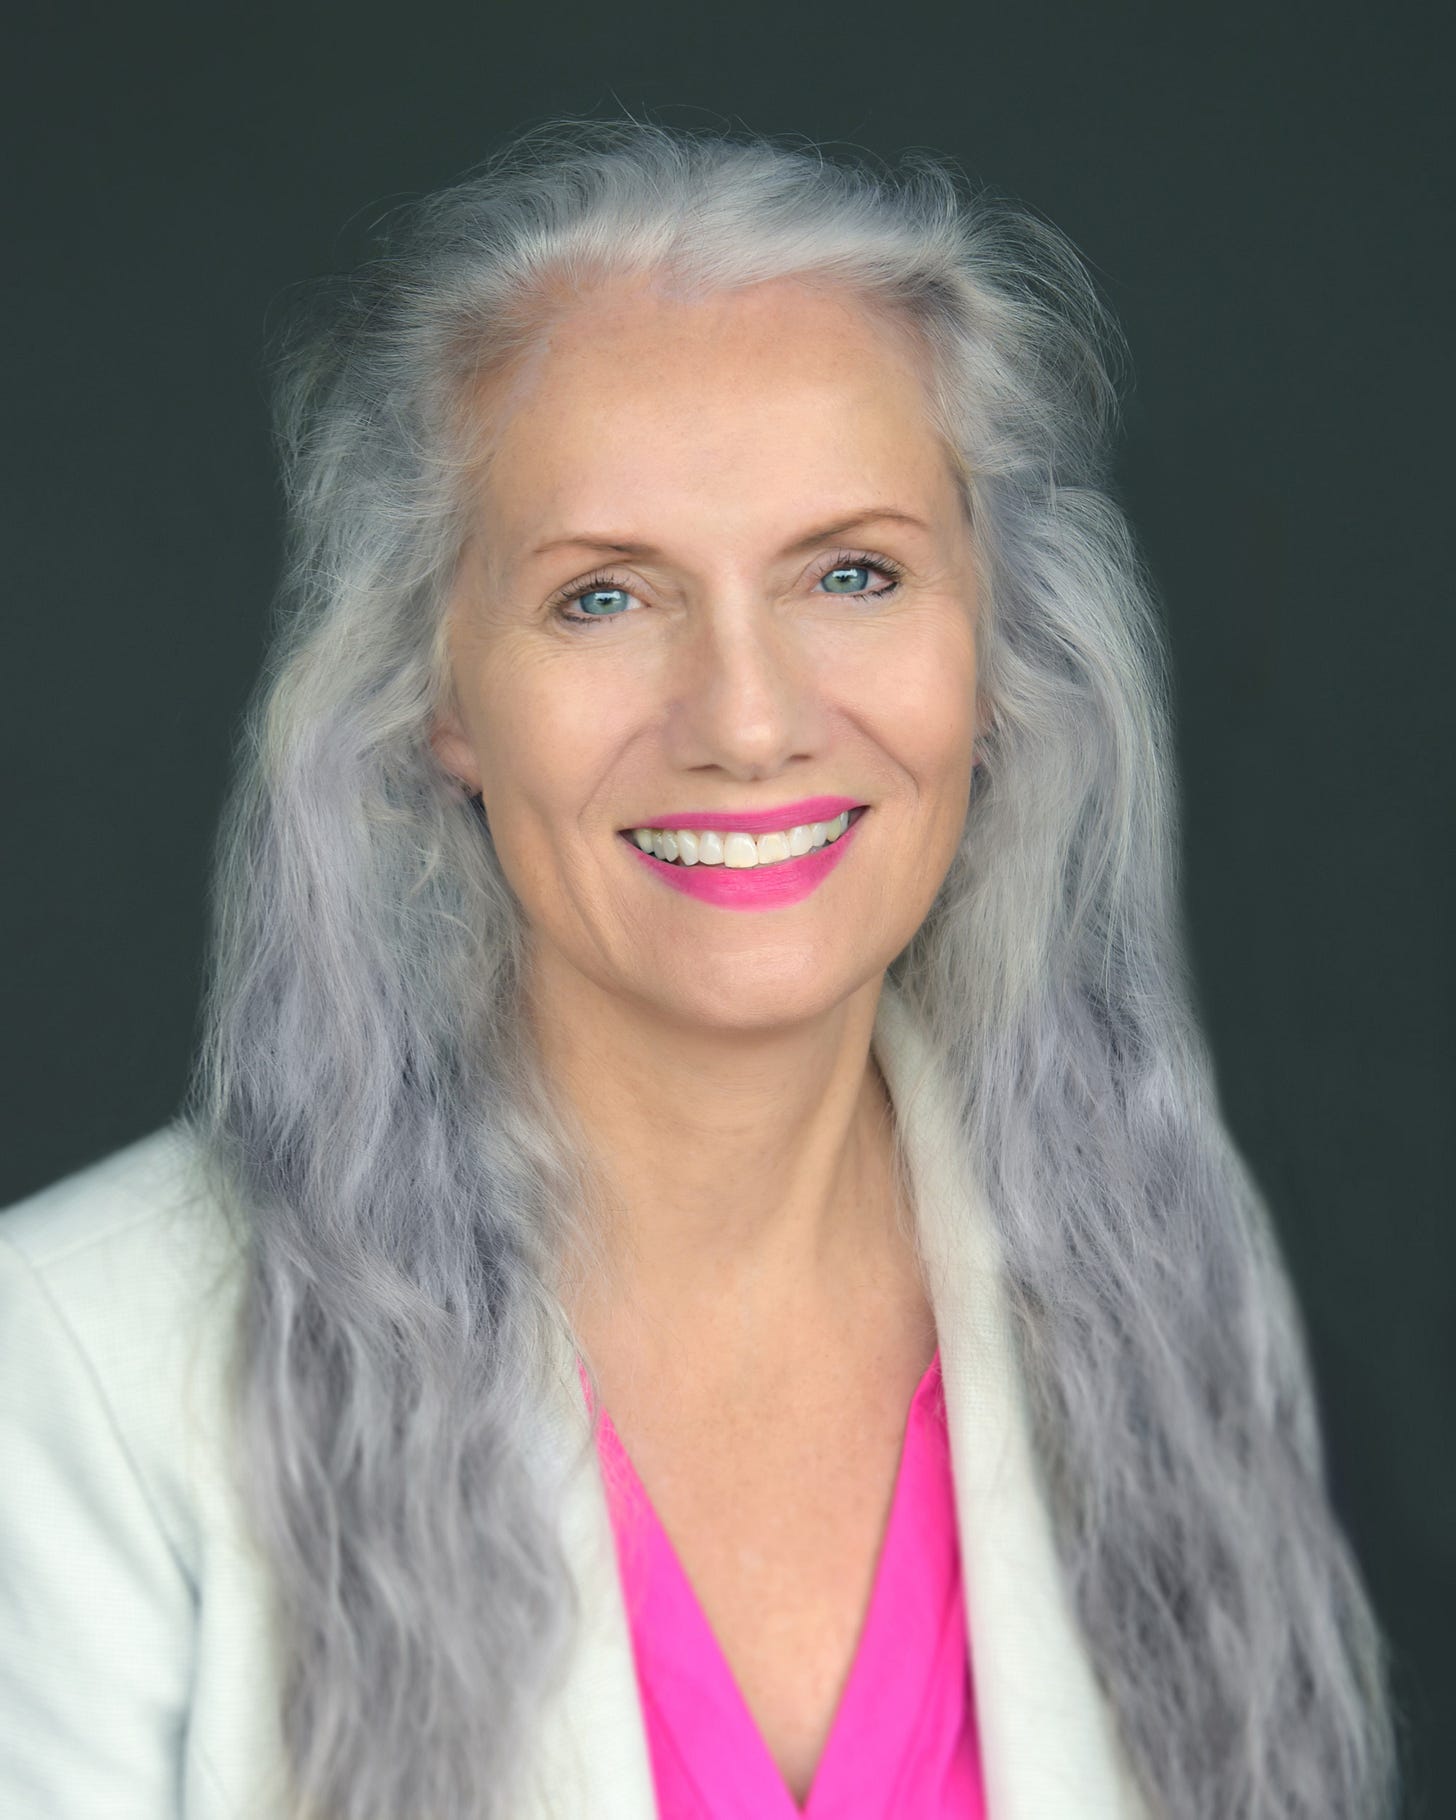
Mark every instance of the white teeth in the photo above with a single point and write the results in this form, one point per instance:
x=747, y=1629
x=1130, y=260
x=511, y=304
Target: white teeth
x=688, y=847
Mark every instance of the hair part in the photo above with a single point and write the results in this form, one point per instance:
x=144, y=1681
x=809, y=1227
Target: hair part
x=367, y=1100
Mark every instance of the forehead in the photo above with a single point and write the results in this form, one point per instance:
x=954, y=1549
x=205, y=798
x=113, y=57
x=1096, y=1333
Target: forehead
x=775, y=396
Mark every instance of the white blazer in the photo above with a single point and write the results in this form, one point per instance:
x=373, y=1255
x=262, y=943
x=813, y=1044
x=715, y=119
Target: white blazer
x=137, y=1675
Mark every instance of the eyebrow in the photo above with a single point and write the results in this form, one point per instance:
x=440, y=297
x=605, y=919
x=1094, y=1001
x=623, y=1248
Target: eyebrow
x=622, y=546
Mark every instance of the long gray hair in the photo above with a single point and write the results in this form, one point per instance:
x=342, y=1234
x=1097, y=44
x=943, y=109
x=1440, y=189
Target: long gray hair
x=367, y=1099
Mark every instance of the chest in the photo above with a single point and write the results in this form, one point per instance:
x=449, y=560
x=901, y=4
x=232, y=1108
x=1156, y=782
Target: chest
x=777, y=1508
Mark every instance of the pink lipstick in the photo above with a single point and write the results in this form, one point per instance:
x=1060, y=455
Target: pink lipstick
x=764, y=887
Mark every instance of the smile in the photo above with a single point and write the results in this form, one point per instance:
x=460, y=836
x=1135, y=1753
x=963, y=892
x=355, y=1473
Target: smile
x=742, y=871
x=710, y=847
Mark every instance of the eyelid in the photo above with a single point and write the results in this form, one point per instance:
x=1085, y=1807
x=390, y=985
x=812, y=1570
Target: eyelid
x=599, y=579
x=864, y=559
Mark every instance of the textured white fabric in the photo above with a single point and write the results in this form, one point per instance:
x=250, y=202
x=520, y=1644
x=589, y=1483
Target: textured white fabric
x=137, y=1670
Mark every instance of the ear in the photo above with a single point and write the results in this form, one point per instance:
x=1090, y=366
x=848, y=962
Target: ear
x=455, y=752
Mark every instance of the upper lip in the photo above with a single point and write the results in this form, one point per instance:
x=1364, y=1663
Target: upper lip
x=756, y=821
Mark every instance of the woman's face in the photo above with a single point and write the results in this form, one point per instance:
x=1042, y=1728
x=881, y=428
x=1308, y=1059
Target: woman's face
x=718, y=565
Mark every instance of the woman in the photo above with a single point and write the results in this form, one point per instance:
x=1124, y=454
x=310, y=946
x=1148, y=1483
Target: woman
x=699, y=1047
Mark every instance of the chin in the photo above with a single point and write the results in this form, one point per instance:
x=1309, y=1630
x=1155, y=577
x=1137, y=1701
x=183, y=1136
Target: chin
x=744, y=993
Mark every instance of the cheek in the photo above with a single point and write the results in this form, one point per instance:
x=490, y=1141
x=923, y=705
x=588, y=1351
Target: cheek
x=546, y=733
x=922, y=695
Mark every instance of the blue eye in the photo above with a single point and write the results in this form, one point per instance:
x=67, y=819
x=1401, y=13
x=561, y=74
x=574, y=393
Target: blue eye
x=849, y=566
x=591, y=599
x=835, y=577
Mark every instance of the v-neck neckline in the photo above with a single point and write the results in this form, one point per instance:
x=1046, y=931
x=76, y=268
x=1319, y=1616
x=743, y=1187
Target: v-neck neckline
x=684, y=1674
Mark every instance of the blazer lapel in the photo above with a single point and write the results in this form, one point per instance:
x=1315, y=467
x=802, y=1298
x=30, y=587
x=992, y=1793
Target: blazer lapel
x=1049, y=1744
x=592, y=1756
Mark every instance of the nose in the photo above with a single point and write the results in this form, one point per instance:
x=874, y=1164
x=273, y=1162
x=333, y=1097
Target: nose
x=744, y=690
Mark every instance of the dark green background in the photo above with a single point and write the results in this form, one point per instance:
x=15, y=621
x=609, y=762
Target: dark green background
x=1264, y=194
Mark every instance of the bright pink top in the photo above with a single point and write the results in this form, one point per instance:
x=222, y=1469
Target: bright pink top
x=903, y=1744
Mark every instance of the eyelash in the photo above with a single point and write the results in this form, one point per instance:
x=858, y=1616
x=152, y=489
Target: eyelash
x=603, y=580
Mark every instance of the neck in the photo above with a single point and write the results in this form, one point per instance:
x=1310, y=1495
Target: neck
x=746, y=1174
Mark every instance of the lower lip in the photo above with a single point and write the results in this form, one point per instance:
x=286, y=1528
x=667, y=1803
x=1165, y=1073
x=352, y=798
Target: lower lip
x=769, y=887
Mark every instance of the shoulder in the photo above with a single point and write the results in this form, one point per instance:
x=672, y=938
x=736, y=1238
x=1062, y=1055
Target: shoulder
x=119, y=1285
x=132, y=1190
x=138, y=1664
x=137, y=1231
